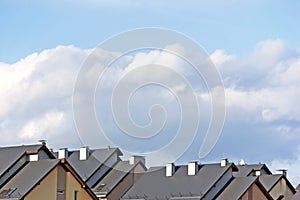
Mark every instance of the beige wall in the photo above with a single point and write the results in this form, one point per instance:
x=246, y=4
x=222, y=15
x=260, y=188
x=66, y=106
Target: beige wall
x=281, y=188
x=254, y=193
x=46, y=190
x=72, y=185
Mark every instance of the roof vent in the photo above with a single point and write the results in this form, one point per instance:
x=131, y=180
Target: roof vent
x=282, y=171
x=242, y=162
x=84, y=153
x=224, y=162
x=170, y=169
x=134, y=159
x=192, y=168
x=63, y=153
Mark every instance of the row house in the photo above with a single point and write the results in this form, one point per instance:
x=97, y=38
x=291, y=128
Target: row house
x=30, y=172
x=220, y=181
x=35, y=172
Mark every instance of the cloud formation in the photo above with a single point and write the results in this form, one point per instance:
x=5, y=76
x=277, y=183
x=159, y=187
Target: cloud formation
x=262, y=95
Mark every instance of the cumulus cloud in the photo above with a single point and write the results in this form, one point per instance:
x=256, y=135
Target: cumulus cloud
x=36, y=94
x=262, y=92
x=291, y=164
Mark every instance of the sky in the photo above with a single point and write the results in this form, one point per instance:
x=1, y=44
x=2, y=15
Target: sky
x=254, y=44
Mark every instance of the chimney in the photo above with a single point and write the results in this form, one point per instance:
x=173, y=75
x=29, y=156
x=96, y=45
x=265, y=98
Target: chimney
x=256, y=172
x=83, y=153
x=282, y=171
x=63, y=153
x=242, y=162
x=134, y=159
x=224, y=162
x=170, y=169
x=43, y=142
x=192, y=168
x=33, y=157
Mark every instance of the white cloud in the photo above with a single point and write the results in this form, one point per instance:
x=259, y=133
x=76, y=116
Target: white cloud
x=36, y=93
x=292, y=165
x=43, y=125
x=219, y=57
x=262, y=88
x=268, y=104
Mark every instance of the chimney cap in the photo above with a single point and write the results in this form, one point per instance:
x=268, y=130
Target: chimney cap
x=136, y=158
x=224, y=162
x=282, y=171
x=192, y=168
x=63, y=153
x=241, y=162
x=170, y=169
x=42, y=141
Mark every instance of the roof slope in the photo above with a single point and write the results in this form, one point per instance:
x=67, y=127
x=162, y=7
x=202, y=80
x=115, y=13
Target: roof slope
x=245, y=170
x=28, y=177
x=114, y=177
x=154, y=183
x=237, y=188
x=86, y=168
x=296, y=196
x=9, y=155
x=268, y=181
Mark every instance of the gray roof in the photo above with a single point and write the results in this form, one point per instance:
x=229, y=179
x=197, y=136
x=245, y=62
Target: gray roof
x=86, y=168
x=27, y=178
x=245, y=170
x=268, y=181
x=296, y=196
x=154, y=183
x=237, y=188
x=114, y=177
x=9, y=155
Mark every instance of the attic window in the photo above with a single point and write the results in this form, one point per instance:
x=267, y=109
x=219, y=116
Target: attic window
x=7, y=192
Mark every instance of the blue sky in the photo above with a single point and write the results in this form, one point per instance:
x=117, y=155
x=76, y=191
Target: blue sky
x=254, y=44
x=31, y=26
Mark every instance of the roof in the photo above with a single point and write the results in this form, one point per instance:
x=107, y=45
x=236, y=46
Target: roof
x=154, y=183
x=296, y=196
x=237, y=188
x=269, y=181
x=10, y=155
x=26, y=179
x=86, y=168
x=114, y=177
x=245, y=170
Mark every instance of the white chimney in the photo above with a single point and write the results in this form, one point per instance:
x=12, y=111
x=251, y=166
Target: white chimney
x=170, y=169
x=257, y=172
x=224, y=162
x=282, y=171
x=134, y=159
x=242, y=162
x=63, y=153
x=33, y=157
x=83, y=153
x=192, y=168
